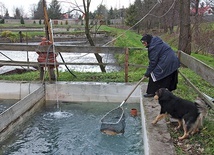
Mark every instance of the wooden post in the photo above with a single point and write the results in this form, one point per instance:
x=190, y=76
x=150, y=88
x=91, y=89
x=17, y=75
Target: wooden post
x=41, y=72
x=50, y=38
x=47, y=23
x=51, y=72
x=126, y=64
x=179, y=54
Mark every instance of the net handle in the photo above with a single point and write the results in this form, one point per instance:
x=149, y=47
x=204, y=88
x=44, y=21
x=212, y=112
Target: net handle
x=132, y=91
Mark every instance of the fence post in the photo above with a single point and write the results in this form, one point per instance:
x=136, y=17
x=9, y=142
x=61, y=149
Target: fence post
x=179, y=54
x=126, y=64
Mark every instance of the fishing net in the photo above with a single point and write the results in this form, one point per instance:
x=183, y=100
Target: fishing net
x=114, y=121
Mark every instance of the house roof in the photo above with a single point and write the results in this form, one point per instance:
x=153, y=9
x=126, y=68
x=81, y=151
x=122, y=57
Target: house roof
x=202, y=10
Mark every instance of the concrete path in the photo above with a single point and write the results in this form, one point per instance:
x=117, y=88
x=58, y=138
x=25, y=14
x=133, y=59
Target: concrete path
x=159, y=140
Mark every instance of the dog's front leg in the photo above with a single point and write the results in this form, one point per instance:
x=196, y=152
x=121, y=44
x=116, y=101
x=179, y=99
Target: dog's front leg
x=158, y=118
x=179, y=124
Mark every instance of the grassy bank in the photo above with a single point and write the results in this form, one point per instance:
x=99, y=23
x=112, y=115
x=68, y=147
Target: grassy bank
x=201, y=143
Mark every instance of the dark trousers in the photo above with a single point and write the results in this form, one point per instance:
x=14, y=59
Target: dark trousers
x=169, y=82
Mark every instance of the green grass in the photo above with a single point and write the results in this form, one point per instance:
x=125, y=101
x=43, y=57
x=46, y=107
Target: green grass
x=207, y=59
x=130, y=39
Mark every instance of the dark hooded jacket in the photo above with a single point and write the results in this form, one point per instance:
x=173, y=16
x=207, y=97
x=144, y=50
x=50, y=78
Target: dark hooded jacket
x=162, y=59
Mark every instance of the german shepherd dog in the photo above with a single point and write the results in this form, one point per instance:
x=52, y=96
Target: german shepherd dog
x=189, y=114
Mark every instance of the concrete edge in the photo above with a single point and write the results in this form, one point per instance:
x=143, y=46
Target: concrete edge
x=143, y=122
x=18, y=113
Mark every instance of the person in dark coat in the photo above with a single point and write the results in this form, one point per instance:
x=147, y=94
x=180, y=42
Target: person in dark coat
x=163, y=65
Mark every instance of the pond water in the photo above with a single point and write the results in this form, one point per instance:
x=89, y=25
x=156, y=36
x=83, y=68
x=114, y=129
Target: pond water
x=74, y=129
x=68, y=57
x=5, y=104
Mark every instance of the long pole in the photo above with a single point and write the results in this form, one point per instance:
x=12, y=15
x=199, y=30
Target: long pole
x=47, y=23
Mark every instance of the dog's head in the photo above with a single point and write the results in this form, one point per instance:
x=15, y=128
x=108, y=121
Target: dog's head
x=162, y=93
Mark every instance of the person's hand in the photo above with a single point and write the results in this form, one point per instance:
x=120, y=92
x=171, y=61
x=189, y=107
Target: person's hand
x=145, y=76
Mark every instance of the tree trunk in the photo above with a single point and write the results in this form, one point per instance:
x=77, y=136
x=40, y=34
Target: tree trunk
x=196, y=23
x=196, y=32
x=185, y=32
x=87, y=33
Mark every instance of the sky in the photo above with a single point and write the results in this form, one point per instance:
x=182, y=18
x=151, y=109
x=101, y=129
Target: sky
x=27, y=4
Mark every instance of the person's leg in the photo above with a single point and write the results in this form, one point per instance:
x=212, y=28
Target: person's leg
x=173, y=81
x=169, y=82
x=165, y=83
x=151, y=88
x=41, y=72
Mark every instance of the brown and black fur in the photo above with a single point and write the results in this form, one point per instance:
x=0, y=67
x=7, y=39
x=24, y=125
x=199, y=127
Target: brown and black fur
x=189, y=114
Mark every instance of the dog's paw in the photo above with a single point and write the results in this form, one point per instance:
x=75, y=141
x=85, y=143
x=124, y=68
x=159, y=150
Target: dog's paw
x=168, y=122
x=154, y=122
x=177, y=128
x=183, y=137
x=156, y=97
x=195, y=131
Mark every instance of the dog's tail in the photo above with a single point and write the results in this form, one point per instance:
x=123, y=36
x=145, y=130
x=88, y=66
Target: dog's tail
x=202, y=109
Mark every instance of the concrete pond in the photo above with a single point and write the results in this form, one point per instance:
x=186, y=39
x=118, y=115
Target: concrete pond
x=34, y=97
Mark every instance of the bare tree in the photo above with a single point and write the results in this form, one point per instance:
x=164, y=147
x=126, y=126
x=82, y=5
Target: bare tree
x=149, y=21
x=33, y=9
x=168, y=13
x=2, y=9
x=86, y=14
x=185, y=32
x=86, y=4
x=6, y=16
x=18, y=12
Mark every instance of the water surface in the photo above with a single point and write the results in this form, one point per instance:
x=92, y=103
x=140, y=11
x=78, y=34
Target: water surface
x=6, y=103
x=74, y=129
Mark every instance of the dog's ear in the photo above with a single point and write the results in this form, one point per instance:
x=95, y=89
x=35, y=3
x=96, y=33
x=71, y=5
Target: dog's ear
x=164, y=93
x=161, y=91
x=158, y=92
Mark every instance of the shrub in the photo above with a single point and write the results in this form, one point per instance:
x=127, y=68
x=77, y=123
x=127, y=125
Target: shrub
x=2, y=21
x=6, y=34
x=22, y=20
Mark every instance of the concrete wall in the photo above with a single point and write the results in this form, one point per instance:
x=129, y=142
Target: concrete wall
x=11, y=118
x=55, y=22
x=92, y=92
x=16, y=90
x=73, y=91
